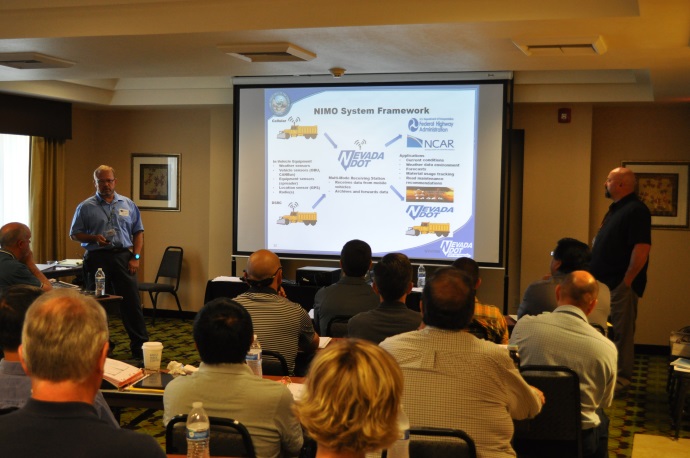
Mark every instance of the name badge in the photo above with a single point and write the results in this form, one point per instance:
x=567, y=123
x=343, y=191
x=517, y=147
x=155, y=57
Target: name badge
x=123, y=212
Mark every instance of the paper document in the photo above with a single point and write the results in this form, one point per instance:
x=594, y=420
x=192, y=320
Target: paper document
x=681, y=365
x=70, y=262
x=323, y=341
x=232, y=279
x=120, y=373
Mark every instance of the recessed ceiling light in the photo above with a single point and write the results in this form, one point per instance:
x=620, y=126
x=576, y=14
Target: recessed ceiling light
x=268, y=52
x=561, y=46
x=32, y=61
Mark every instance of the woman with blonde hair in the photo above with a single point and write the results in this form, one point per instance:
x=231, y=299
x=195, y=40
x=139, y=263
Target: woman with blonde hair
x=351, y=401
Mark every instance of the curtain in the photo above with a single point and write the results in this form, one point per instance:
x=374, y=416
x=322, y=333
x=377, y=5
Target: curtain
x=47, y=199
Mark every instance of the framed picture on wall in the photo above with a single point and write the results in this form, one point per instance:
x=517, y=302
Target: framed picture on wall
x=663, y=187
x=156, y=181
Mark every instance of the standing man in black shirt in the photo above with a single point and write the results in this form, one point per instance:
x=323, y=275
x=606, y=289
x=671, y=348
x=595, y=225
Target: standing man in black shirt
x=620, y=255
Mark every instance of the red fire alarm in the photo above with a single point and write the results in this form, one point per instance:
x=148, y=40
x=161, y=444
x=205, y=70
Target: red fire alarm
x=564, y=115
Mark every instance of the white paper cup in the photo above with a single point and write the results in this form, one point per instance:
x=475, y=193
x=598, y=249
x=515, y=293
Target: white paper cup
x=153, y=352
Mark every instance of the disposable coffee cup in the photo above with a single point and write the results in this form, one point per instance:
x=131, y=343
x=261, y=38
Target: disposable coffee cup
x=153, y=352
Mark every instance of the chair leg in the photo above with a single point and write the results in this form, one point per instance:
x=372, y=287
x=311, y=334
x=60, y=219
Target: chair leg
x=179, y=307
x=153, y=303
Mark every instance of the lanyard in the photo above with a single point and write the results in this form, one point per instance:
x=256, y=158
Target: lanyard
x=109, y=216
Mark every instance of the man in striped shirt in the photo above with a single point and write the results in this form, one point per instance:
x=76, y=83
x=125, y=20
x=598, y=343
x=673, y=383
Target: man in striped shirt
x=280, y=325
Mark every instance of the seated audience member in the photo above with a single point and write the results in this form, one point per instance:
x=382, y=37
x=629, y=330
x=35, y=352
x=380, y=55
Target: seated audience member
x=453, y=379
x=392, y=282
x=568, y=256
x=15, y=385
x=352, y=294
x=488, y=321
x=228, y=388
x=64, y=347
x=564, y=338
x=351, y=400
x=17, y=266
x=281, y=325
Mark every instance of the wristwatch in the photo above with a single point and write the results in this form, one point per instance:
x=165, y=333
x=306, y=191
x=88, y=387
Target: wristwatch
x=137, y=256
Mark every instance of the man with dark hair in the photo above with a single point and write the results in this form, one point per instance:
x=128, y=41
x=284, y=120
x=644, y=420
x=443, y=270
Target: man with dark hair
x=453, y=379
x=280, y=324
x=568, y=256
x=620, y=256
x=15, y=385
x=563, y=338
x=392, y=282
x=228, y=388
x=17, y=266
x=351, y=294
x=64, y=348
x=488, y=322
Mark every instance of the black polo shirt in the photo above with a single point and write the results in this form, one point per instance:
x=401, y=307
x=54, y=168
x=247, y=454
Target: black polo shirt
x=627, y=223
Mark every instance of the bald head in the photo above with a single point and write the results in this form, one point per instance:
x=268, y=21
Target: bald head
x=11, y=233
x=262, y=264
x=578, y=288
x=619, y=183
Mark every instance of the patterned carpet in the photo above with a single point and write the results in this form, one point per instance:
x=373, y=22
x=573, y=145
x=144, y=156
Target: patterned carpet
x=643, y=409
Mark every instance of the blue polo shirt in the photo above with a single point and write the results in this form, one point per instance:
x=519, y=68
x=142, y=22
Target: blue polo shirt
x=118, y=221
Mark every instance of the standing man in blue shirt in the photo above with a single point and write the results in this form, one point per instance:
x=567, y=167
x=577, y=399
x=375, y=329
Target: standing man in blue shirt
x=109, y=227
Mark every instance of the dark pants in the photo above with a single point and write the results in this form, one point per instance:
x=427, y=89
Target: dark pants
x=119, y=281
x=595, y=441
x=623, y=316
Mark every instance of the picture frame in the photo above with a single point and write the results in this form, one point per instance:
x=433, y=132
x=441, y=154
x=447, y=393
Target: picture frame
x=156, y=181
x=663, y=187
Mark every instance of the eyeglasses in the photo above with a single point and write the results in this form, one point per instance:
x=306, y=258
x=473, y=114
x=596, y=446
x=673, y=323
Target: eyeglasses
x=106, y=181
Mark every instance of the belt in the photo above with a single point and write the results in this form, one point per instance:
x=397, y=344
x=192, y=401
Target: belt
x=111, y=250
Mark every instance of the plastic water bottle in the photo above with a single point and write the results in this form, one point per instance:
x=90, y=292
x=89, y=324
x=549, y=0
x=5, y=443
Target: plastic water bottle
x=254, y=357
x=401, y=447
x=100, y=282
x=198, y=432
x=421, y=276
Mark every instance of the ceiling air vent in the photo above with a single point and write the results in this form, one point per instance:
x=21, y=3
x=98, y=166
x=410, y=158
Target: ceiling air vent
x=32, y=61
x=588, y=46
x=268, y=52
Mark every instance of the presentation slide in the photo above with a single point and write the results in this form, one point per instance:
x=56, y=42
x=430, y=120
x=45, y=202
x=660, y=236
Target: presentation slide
x=396, y=166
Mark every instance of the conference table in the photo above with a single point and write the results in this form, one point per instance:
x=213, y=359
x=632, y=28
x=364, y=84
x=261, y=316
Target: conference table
x=58, y=271
x=153, y=400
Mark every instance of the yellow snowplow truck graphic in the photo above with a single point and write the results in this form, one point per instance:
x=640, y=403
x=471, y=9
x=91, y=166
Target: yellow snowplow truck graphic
x=298, y=217
x=297, y=131
x=440, y=229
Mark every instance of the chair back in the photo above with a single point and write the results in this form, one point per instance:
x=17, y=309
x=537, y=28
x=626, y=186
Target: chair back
x=171, y=264
x=337, y=326
x=436, y=442
x=228, y=437
x=478, y=330
x=274, y=363
x=556, y=430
